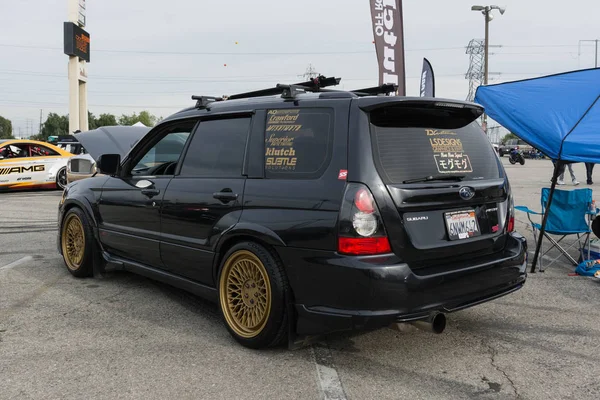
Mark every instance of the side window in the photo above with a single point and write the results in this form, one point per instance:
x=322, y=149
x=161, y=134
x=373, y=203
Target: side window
x=217, y=149
x=41, y=151
x=298, y=142
x=162, y=157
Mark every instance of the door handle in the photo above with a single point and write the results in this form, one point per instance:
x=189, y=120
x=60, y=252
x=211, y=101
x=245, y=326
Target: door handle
x=225, y=197
x=150, y=192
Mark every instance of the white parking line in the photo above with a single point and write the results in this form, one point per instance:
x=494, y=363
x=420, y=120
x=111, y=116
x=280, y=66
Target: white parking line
x=16, y=263
x=329, y=381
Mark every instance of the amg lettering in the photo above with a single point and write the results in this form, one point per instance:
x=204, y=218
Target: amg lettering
x=20, y=170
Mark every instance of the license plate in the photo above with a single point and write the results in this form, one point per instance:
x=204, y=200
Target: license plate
x=462, y=224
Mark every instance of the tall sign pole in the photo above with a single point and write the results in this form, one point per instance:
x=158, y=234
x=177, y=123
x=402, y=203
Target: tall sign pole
x=77, y=47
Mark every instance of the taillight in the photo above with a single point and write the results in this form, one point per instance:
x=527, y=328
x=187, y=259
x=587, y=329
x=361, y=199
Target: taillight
x=510, y=227
x=361, y=230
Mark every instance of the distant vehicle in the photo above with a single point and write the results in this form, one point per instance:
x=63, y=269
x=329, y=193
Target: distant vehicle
x=31, y=164
x=70, y=144
x=519, y=144
x=516, y=156
x=107, y=139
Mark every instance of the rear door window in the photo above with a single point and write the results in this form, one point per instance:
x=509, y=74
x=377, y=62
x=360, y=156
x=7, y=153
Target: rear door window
x=298, y=142
x=429, y=146
x=217, y=149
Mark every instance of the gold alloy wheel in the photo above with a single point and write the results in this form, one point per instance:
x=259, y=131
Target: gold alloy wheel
x=245, y=294
x=73, y=242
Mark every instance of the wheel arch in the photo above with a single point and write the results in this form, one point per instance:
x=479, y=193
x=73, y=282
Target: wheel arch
x=243, y=232
x=86, y=208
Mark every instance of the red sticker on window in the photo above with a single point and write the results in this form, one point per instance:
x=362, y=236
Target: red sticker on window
x=343, y=174
x=495, y=228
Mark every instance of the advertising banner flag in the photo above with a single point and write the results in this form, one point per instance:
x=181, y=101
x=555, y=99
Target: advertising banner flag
x=427, y=80
x=388, y=32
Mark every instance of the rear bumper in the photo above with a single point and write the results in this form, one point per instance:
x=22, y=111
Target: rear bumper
x=336, y=293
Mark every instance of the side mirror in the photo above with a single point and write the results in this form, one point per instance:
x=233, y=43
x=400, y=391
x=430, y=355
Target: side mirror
x=108, y=164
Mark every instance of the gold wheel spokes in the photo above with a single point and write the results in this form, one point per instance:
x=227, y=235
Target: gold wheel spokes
x=73, y=241
x=245, y=293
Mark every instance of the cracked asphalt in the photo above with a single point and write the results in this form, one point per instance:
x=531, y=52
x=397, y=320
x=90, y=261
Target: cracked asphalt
x=125, y=336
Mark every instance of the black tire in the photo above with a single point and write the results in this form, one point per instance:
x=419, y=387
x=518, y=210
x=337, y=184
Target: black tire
x=274, y=325
x=500, y=152
x=521, y=161
x=83, y=267
x=61, y=178
x=512, y=160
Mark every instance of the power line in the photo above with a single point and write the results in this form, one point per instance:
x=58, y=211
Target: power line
x=218, y=53
x=19, y=102
x=228, y=53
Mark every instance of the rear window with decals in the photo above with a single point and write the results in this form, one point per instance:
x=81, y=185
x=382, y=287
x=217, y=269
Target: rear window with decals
x=406, y=148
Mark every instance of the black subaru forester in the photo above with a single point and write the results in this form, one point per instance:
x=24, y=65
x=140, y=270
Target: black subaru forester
x=303, y=210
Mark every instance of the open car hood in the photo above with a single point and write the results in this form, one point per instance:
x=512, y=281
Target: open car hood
x=111, y=139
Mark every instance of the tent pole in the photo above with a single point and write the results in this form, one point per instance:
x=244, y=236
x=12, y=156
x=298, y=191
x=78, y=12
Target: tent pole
x=557, y=167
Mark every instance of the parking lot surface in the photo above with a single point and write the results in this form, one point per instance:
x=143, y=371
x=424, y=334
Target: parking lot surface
x=125, y=336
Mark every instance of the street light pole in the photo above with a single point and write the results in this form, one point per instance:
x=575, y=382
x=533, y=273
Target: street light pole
x=487, y=46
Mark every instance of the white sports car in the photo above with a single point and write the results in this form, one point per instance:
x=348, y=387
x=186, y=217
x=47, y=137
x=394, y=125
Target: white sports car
x=30, y=164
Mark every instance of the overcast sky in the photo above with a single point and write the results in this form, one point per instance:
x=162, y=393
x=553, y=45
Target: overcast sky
x=180, y=47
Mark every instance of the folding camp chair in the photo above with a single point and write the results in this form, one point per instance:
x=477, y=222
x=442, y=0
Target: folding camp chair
x=568, y=215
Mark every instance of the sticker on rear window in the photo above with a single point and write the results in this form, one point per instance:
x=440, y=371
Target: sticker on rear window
x=448, y=153
x=448, y=163
x=280, y=153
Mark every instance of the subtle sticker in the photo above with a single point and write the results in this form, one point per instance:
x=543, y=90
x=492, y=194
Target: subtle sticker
x=343, y=174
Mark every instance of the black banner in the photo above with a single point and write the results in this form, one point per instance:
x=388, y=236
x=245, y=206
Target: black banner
x=77, y=41
x=427, y=80
x=388, y=32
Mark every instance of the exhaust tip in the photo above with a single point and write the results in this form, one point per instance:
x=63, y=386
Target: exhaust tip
x=438, y=323
x=435, y=323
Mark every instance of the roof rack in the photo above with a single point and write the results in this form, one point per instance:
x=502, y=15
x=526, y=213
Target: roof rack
x=289, y=91
x=385, y=89
x=204, y=101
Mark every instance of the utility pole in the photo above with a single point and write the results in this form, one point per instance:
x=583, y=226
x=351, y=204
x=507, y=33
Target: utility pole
x=487, y=13
x=40, y=131
x=596, y=53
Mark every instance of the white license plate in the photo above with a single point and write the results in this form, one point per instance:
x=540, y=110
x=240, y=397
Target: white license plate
x=462, y=224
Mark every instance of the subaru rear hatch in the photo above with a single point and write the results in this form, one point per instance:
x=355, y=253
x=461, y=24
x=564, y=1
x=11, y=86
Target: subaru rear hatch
x=446, y=198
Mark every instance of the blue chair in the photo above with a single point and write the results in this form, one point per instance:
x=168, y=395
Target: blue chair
x=568, y=215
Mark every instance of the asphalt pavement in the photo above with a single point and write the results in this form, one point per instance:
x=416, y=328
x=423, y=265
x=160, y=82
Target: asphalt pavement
x=125, y=336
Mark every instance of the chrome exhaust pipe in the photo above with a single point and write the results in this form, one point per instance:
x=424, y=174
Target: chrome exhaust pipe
x=435, y=323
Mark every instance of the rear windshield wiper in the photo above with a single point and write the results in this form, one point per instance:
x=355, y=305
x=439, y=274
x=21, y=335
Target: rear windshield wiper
x=430, y=178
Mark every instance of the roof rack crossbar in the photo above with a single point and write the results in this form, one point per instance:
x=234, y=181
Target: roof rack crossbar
x=313, y=85
x=385, y=89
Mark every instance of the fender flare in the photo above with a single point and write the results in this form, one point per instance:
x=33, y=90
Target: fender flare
x=244, y=229
x=87, y=209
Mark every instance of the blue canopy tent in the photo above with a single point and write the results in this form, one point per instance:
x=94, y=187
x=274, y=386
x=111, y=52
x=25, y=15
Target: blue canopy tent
x=557, y=114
